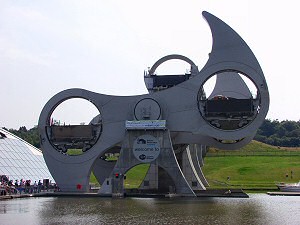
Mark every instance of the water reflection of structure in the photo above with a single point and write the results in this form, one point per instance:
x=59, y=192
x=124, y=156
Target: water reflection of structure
x=258, y=209
x=176, y=121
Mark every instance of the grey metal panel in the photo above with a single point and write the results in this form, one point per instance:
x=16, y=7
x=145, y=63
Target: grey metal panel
x=102, y=169
x=230, y=84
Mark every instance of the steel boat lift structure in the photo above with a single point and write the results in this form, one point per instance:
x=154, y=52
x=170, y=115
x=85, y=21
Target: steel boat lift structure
x=168, y=128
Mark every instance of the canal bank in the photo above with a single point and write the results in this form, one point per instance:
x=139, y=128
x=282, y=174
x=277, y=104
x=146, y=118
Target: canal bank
x=218, y=193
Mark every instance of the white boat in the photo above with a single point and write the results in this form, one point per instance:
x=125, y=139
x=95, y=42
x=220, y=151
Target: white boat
x=294, y=187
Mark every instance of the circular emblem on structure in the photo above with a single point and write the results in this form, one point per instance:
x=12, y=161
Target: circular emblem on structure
x=146, y=148
x=147, y=109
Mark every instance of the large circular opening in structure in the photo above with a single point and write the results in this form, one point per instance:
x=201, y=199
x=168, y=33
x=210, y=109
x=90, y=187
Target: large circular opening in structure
x=74, y=126
x=173, y=67
x=228, y=100
x=172, y=70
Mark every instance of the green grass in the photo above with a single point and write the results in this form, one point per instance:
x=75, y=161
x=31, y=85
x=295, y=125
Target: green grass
x=255, y=166
x=93, y=180
x=135, y=176
x=251, y=171
x=74, y=151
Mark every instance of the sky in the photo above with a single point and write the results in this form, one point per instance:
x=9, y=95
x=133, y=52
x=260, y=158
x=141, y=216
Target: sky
x=105, y=45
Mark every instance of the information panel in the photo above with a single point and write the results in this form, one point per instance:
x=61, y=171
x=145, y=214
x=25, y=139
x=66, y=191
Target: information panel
x=146, y=148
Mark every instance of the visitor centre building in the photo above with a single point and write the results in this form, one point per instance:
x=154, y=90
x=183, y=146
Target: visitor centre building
x=20, y=160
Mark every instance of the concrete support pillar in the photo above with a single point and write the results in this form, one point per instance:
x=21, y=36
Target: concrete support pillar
x=151, y=179
x=68, y=177
x=190, y=172
x=165, y=160
x=102, y=169
x=197, y=153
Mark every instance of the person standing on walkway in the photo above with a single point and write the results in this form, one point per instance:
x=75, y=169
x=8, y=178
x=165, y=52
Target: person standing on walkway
x=39, y=186
x=35, y=187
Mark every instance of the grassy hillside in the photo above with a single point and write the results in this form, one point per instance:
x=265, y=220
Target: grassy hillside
x=256, y=165
x=250, y=172
x=257, y=148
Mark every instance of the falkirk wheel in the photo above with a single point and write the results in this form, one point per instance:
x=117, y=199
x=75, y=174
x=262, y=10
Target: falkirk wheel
x=168, y=128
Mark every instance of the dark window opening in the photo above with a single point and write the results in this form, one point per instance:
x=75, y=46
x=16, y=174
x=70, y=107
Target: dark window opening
x=194, y=184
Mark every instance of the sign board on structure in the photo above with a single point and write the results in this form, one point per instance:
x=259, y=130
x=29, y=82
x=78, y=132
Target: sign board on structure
x=145, y=124
x=146, y=148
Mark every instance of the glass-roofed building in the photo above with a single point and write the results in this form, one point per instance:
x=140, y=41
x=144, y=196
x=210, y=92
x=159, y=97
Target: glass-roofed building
x=21, y=160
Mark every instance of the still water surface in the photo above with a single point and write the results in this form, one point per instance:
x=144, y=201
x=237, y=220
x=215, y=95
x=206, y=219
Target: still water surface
x=258, y=209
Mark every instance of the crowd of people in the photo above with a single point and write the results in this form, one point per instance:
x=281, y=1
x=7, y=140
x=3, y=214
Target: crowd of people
x=23, y=186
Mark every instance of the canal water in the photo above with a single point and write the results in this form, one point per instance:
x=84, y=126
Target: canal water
x=258, y=209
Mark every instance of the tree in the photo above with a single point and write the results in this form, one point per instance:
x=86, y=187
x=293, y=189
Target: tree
x=31, y=136
x=285, y=133
x=268, y=128
x=289, y=125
